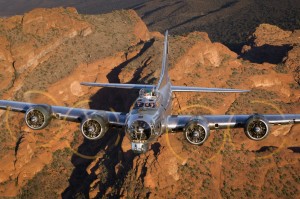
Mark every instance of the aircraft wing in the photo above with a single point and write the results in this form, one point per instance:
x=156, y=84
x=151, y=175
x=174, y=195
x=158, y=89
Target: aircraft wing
x=230, y=121
x=256, y=127
x=65, y=113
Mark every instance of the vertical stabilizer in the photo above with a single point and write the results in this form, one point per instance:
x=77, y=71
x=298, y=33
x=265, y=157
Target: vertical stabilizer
x=164, y=77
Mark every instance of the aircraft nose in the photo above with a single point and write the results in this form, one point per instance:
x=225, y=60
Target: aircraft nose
x=139, y=130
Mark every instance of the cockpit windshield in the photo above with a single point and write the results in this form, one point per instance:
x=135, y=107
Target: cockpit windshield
x=147, y=93
x=147, y=99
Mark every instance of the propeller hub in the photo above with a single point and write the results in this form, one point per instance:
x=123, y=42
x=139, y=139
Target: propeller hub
x=34, y=119
x=257, y=129
x=91, y=129
x=196, y=134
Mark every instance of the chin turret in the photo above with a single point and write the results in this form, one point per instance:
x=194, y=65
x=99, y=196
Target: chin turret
x=139, y=147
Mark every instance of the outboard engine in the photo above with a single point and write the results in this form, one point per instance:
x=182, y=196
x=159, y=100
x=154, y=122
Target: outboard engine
x=94, y=127
x=38, y=117
x=197, y=131
x=257, y=127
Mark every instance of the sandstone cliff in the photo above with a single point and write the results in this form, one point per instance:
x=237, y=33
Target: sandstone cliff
x=47, y=52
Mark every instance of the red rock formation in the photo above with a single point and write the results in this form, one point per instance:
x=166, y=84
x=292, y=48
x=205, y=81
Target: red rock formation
x=118, y=47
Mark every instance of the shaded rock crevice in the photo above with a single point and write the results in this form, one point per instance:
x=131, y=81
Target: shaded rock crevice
x=267, y=53
x=103, y=174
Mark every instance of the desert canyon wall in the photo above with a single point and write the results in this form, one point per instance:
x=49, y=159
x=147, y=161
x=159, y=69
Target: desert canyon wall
x=46, y=53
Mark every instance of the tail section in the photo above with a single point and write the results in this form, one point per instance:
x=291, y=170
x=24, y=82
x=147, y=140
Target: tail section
x=164, y=77
x=164, y=80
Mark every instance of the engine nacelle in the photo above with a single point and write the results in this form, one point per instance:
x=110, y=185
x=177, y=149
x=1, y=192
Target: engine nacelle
x=257, y=127
x=38, y=117
x=197, y=131
x=94, y=127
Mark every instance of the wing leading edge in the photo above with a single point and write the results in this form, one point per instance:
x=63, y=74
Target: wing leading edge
x=65, y=113
x=230, y=121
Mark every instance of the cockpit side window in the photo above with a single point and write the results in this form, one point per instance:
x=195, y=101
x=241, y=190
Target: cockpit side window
x=147, y=104
x=139, y=104
x=152, y=105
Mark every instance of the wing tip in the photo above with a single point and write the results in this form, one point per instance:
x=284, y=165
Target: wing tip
x=85, y=83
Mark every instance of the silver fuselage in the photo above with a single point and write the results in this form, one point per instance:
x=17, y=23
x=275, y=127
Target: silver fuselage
x=145, y=124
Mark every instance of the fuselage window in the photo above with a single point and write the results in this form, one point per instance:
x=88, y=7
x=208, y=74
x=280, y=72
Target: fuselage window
x=150, y=105
x=139, y=104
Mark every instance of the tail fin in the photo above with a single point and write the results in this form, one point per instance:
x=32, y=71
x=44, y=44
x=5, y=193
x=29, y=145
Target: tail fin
x=164, y=77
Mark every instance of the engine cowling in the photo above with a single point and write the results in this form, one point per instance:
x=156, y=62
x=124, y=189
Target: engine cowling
x=257, y=127
x=94, y=127
x=197, y=131
x=38, y=117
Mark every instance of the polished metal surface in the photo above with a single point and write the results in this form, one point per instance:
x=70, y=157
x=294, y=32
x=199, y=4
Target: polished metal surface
x=208, y=90
x=112, y=85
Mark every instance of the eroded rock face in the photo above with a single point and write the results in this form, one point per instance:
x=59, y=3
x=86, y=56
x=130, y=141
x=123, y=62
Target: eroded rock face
x=32, y=38
x=25, y=150
x=45, y=33
x=269, y=44
x=62, y=49
x=270, y=34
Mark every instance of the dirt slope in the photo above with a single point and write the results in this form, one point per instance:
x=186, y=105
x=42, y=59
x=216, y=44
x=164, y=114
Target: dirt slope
x=43, y=60
x=226, y=21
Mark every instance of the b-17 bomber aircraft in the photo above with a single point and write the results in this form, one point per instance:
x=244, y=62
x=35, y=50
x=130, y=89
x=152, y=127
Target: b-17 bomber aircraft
x=151, y=115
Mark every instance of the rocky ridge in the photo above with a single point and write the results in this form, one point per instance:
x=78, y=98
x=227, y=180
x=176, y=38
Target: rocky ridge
x=43, y=60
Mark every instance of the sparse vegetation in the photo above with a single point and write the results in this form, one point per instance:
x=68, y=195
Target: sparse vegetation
x=50, y=182
x=281, y=68
x=222, y=165
x=296, y=73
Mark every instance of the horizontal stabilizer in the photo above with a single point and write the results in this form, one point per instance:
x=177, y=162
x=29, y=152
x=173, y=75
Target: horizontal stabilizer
x=209, y=90
x=115, y=85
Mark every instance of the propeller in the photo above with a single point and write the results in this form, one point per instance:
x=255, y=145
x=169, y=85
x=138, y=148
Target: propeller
x=257, y=129
x=91, y=129
x=195, y=133
x=35, y=119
